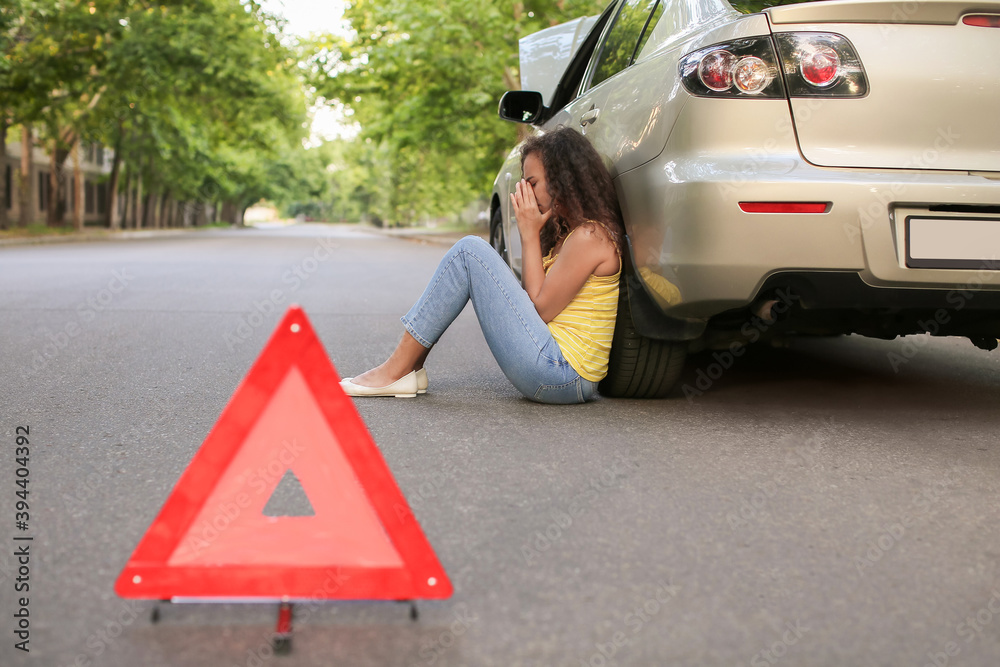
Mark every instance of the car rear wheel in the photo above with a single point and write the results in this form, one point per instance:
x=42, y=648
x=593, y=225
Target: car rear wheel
x=640, y=367
x=497, y=239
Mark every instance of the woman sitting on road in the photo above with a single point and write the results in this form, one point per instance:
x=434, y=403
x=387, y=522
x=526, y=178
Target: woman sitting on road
x=553, y=336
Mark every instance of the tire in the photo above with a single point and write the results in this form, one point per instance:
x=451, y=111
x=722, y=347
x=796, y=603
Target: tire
x=497, y=239
x=640, y=367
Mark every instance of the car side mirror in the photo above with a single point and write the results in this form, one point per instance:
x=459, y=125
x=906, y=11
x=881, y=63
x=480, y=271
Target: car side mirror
x=521, y=106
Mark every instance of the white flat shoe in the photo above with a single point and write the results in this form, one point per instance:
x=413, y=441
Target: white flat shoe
x=404, y=387
x=421, y=381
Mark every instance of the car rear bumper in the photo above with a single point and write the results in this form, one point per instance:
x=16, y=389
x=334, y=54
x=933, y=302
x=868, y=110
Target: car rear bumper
x=689, y=233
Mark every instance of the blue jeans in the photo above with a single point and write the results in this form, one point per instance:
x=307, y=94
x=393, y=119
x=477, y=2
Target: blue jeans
x=518, y=338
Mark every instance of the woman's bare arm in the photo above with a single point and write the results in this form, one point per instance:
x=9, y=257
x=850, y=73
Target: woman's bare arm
x=585, y=252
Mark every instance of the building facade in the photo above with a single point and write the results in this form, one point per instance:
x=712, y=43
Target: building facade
x=94, y=162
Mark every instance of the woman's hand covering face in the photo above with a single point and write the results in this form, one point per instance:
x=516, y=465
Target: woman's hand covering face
x=531, y=201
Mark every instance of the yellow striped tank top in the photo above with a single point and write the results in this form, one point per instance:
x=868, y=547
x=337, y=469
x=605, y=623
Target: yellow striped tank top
x=586, y=325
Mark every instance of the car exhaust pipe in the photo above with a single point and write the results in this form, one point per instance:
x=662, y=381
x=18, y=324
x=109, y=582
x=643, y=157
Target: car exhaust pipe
x=765, y=311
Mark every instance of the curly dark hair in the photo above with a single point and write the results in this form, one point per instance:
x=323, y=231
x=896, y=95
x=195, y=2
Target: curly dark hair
x=578, y=183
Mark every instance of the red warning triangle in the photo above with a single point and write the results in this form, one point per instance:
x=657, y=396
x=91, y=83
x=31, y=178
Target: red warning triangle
x=211, y=538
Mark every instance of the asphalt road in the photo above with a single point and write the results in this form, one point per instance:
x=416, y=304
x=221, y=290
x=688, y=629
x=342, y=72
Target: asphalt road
x=820, y=504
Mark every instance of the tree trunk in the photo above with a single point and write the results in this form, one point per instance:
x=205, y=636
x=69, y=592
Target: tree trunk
x=138, y=201
x=80, y=190
x=3, y=170
x=57, y=184
x=50, y=205
x=229, y=212
x=165, y=218
x=116, y=163
x=153, y=206
x=126, y=209
x=147, y=215
x=26, y=181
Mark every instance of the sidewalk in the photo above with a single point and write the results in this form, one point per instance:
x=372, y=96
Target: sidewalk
x=96, y=235
x=429, y=234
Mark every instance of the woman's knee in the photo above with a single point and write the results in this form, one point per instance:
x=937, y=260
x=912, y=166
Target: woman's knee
x=471, y=243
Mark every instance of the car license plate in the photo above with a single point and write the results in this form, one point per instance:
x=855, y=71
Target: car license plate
x=953, y=243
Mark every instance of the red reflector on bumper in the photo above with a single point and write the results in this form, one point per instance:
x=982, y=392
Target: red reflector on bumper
x=783, y=207
x=982, y=20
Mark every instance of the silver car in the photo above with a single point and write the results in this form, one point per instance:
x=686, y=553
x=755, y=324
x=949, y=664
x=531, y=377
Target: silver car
x=816, y=169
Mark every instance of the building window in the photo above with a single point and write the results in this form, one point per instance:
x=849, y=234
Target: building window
x=93, y=152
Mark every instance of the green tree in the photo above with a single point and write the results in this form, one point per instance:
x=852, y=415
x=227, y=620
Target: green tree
x=198, y=97
x=423, y=79
x=203, y=97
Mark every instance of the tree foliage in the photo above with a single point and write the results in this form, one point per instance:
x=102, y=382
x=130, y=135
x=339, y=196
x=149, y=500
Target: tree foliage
x=200, y=98
x=423, y=79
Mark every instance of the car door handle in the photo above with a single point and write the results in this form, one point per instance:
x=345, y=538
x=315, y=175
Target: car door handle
x=589, y=117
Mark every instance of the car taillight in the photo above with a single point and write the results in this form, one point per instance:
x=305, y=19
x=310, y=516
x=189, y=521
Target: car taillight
x=715, y=70
x=982, y=20
x=820, y=64
x=821, y=67
x=740, y=68
x=751, y=75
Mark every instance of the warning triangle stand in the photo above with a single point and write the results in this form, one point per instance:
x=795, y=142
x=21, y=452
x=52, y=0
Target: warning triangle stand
x=212, y=539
